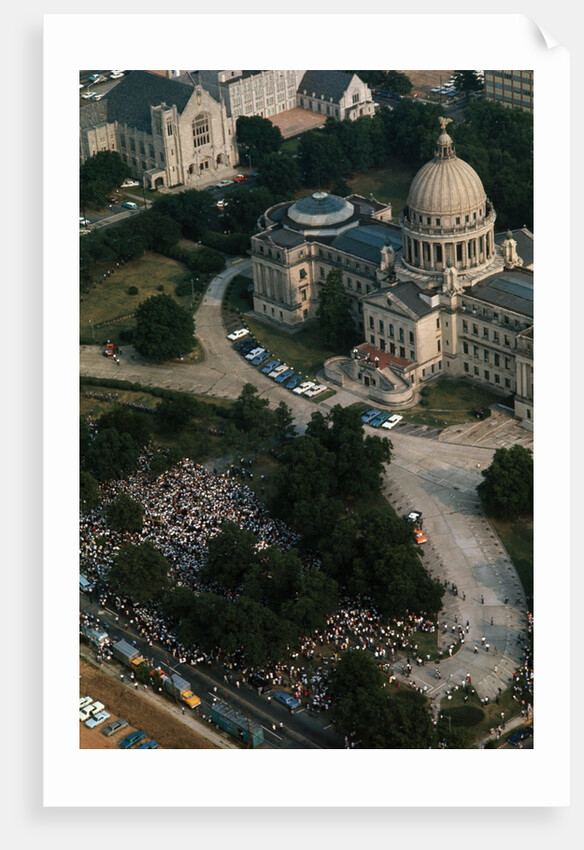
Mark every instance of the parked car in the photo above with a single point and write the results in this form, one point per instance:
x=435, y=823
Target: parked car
x=272, y=364
x=84, y=701
x=264, y=686
x=239, y=178
x=319, y=388
x=97, y=719
x=89, y=709
x=97, y=78
x=286, y=699
x=283, y=367
x=87, y=95
x=420, y=536
x=294, y=381
x=148, y=745
x=283, y=376
x=129, y=182
x=97, y=97
x=248, y=345
x=113, y=727
x=392, y=421
x=517, y=737
x=254, y=353
x=301, y=388
x=377, y=421
x=369, y=415
x=222, y=204
x=223, y=183
x=130, y=205
x=131, y=740
x=116, y=75
x=415, y=517
x=238, y=333
x=83, y=222
x=261, y=358
x=245, y=344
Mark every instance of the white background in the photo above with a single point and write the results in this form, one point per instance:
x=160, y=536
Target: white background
x=478, y=797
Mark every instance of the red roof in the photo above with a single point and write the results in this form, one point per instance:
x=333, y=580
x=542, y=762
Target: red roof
x=385, y=358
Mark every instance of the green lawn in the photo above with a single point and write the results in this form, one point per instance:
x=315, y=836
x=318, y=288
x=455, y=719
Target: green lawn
x=517, y=538
x=390, y=183
x=109, y=299
x=303, y=351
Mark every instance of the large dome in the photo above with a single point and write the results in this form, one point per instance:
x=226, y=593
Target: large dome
x=320, y=210
x=446, y=186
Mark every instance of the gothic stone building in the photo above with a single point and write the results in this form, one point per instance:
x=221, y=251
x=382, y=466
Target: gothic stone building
x=437, y=294
x=169, y=133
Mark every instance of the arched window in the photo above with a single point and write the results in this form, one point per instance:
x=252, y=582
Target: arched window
x=201, y=131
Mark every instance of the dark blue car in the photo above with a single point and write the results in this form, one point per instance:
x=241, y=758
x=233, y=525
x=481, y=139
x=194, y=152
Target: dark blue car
x=269, y=366
x=294, y=381
x=287, y=374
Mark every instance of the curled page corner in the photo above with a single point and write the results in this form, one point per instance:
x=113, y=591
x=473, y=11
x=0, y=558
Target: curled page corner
x=543, y=36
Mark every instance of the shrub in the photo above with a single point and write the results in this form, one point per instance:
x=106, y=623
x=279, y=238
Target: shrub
x=132, y=290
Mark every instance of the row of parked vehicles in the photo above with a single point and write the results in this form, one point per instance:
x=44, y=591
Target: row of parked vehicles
x=381, y=419
x=92, y=713
x=275, y=369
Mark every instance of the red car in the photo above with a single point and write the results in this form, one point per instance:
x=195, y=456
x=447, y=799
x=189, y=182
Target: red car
x=239, y=178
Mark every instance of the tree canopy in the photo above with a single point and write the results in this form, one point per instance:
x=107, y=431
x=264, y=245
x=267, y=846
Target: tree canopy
x=371, y=716
x=125, y=514
x=257, y=137
x=164, y=330
x=336, y=322
x=140, y=572
x=507, y=487
x=99, y=176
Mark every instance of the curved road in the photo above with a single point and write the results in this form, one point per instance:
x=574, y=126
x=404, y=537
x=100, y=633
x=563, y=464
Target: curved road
x=438, y=477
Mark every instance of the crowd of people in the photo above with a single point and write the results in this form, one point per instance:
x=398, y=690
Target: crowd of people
x=183, y=508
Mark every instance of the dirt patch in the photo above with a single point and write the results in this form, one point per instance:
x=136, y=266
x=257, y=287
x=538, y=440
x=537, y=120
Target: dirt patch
x=143, y=710
x=423, y=81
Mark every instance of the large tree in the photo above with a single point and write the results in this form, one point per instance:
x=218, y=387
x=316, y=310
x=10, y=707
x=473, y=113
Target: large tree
x=257, y=137
x=99, y=176
x=369, y=714
x=111, y=454
x=336, y=322
x=281, y=174
x=140, y=572
x=125, y=514
x=164, y=330
x=507, y=488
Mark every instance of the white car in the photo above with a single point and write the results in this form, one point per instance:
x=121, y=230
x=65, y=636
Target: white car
x=302, y=388
x=393, y=420
x=83, y=222
x=237, y=334
x=88, y=710
x=319, y=388
x=129, y=182
x=96, y=719
x=88, y=95
x=115, y=75
x=83, y=701
x=283, y=367
x=254, y=353
x=223, y=183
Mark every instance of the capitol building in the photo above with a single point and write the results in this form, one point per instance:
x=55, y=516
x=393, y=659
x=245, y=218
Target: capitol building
x=439, y=292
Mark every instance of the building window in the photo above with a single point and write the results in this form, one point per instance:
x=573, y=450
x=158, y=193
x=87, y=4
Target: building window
x=201, y=133
x=465, y=325
x=476, y=370
x=507, y=383
x=412, y=355
x=381, y=328
x=487, y=375
x=169, y=129
x=475, y=350
x=411, y=336
x=391, y=332
x=485, y=333
x=465, y=347
x=495, y=336
x=303, y=294
x=402, y=351
x=302, y=274
x=322, y=272
x=371, y=322
x=372, y=339
x=465, y=367
x=497, y=379
x=401, y=334
x=486, y=356
x=496, y=359
x=475, y=330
